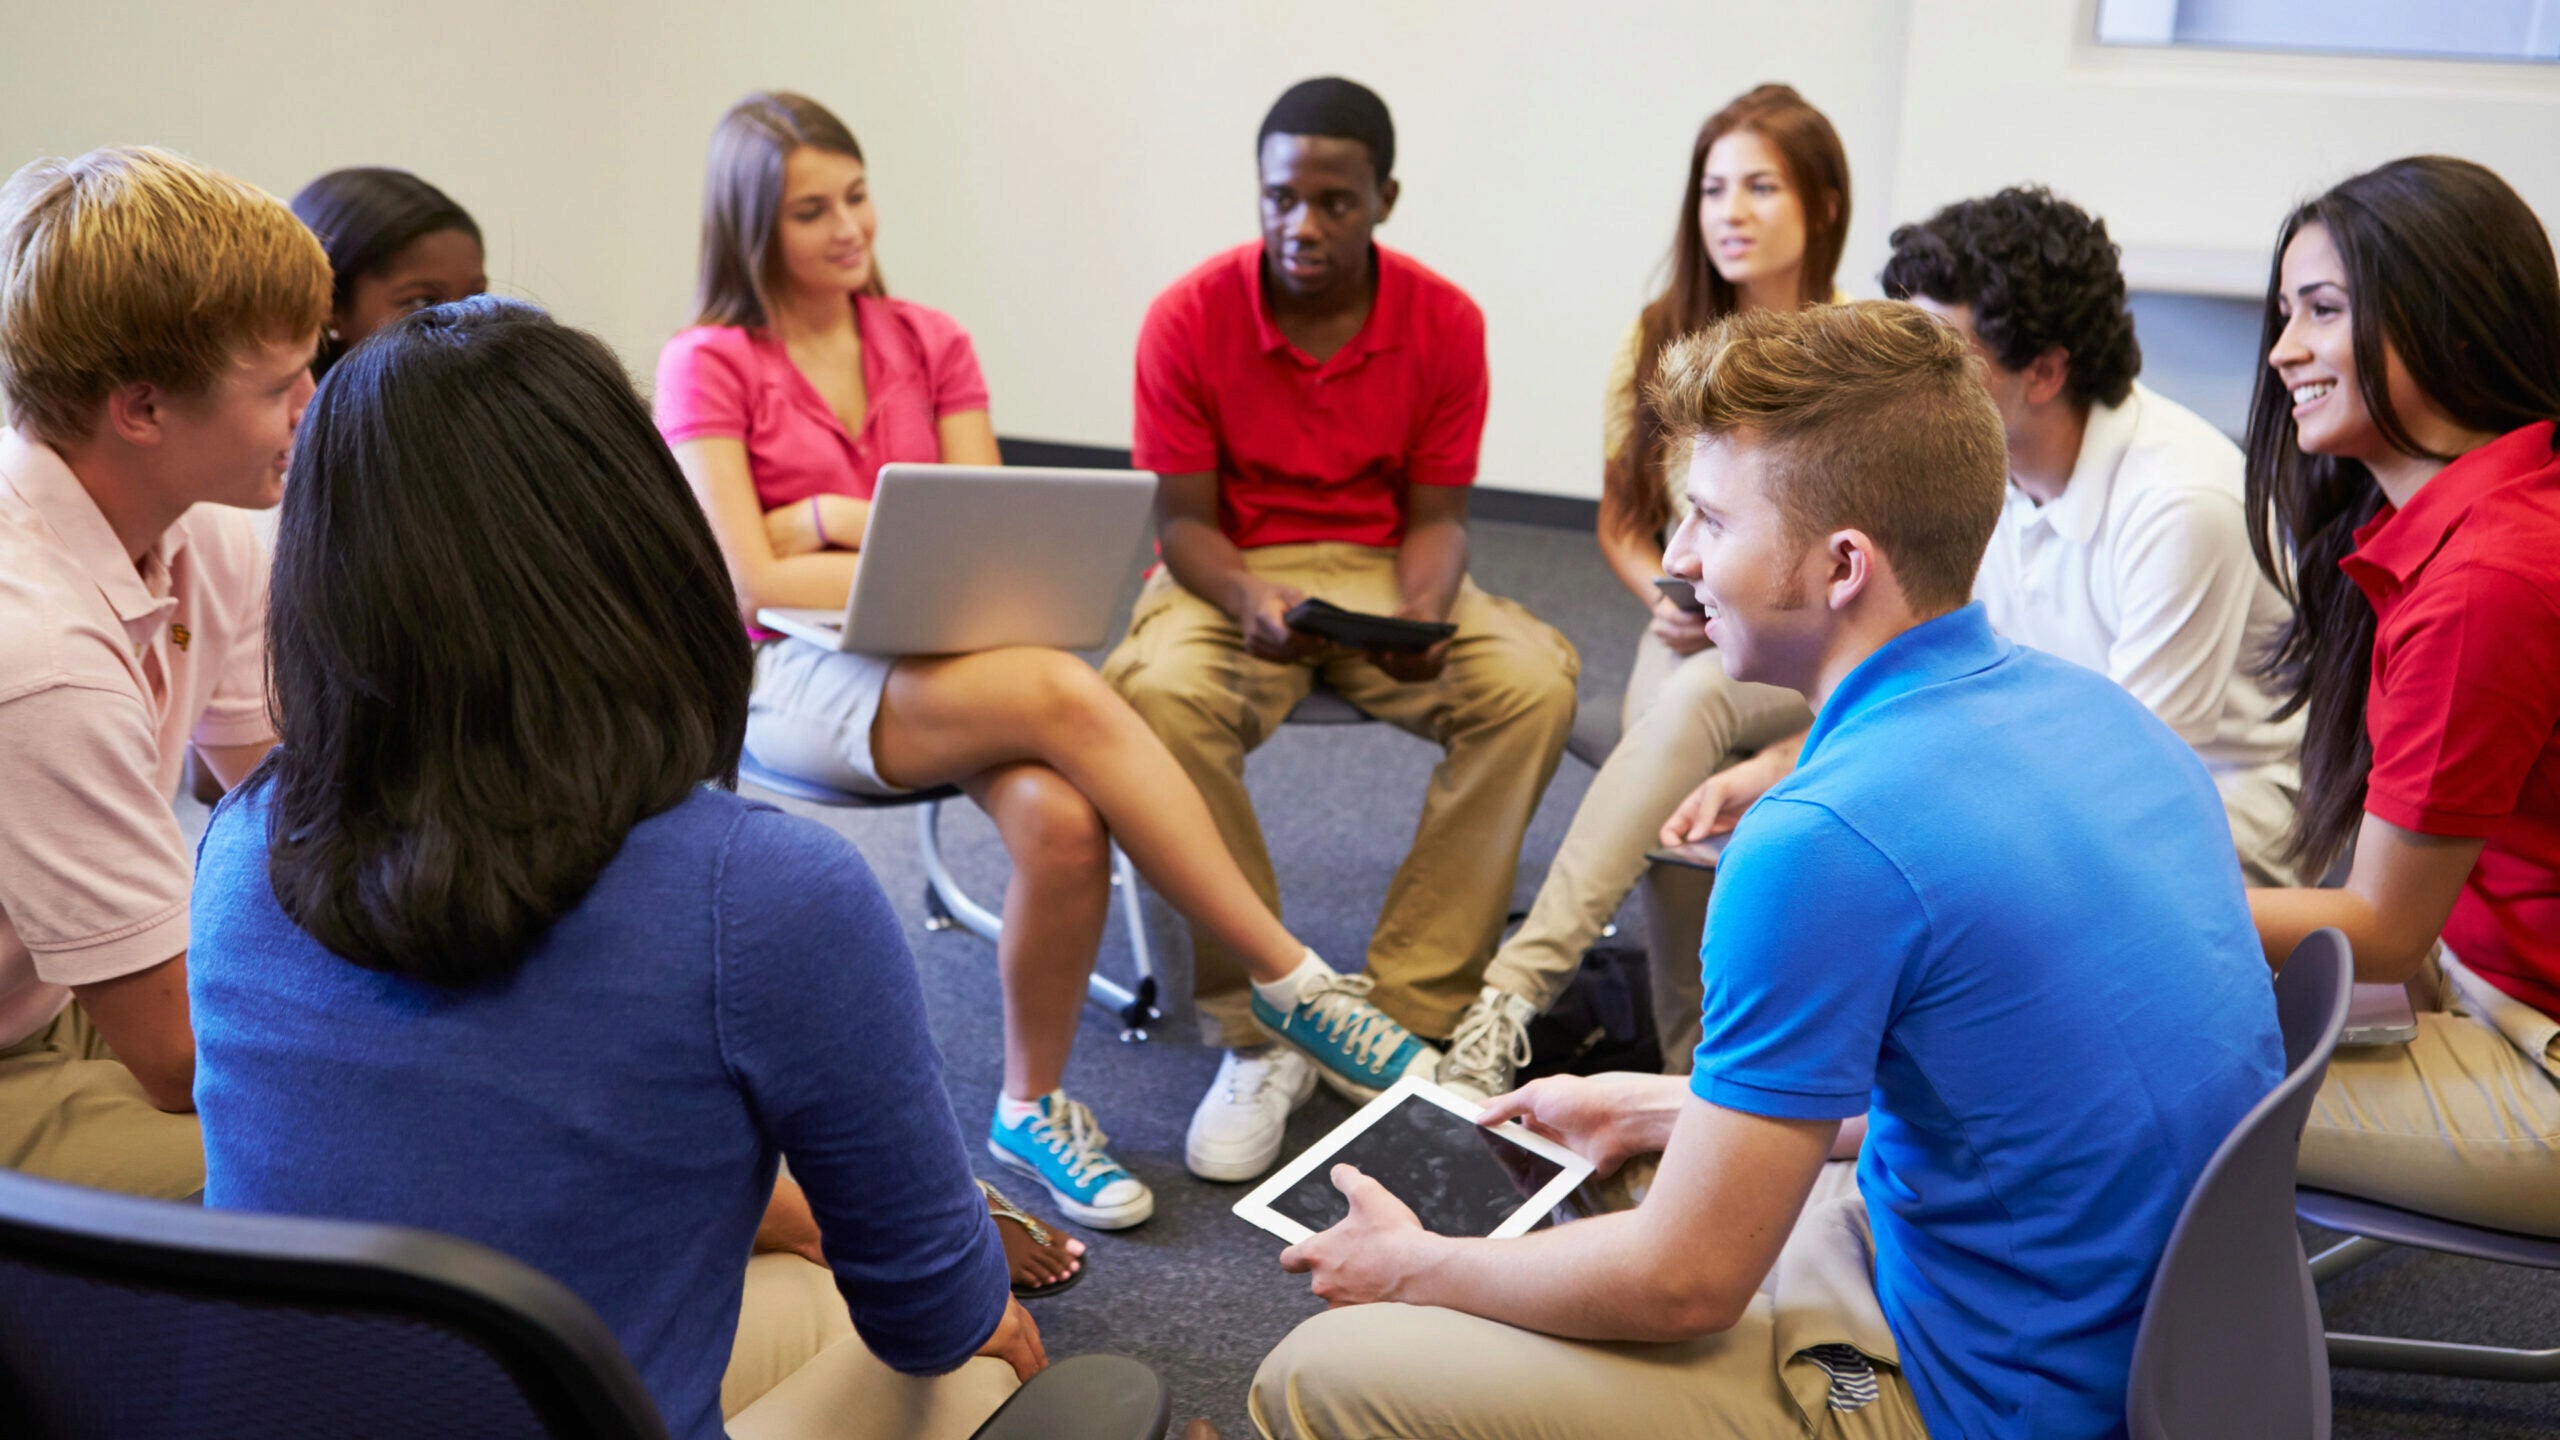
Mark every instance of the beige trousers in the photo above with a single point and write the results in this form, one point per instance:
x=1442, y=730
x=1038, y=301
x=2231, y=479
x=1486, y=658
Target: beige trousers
x=70, y=1111
x=1683, y=719
x=2258, y=803
x=798, y=1372
x=1373, y=1371
x=1500, y=711
x=2462, y=1122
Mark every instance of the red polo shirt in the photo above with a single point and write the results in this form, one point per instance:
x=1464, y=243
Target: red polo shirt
x=1309, y=450
x=2464, y=709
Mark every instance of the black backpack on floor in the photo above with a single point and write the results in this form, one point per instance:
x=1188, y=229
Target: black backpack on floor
x=1603, y=1021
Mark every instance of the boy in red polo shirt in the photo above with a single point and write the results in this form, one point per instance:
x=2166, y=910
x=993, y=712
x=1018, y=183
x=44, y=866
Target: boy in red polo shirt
x=1314, y=403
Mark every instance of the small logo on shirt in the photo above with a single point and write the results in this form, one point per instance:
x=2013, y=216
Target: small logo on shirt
x=180, y=636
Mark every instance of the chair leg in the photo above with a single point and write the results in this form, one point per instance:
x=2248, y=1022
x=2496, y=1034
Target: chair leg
x=948, y=906
x=1136, y=1008
x=958, y=909
x=2421, y=1357
x=2347, y=1254
x=2442, y=1357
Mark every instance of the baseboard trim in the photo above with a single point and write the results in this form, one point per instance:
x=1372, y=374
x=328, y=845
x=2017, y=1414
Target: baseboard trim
x=1516, y=507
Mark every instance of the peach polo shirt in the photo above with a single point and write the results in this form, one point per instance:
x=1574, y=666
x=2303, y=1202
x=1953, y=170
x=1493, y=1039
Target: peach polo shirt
x=107, y=671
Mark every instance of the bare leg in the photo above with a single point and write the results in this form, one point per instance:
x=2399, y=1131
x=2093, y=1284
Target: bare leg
x=948, y=719
x=1054, y=910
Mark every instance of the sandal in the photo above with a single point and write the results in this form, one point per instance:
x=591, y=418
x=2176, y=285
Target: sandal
x=1041, y=1235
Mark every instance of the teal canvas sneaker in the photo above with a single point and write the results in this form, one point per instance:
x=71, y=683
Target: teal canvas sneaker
x=1357, y=1048
x=1060, y=1145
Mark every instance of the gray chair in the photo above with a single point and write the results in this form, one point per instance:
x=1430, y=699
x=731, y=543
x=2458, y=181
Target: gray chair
x=948, y=906
x=2230, y=1343
x=122, y=1317
x=2372, y=1228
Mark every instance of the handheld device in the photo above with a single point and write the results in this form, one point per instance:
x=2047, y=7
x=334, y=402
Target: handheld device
x=1424, y=1145
x=1680, y=592
x=1362, y=631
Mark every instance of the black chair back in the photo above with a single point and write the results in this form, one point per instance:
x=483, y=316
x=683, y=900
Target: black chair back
x=122, y=1317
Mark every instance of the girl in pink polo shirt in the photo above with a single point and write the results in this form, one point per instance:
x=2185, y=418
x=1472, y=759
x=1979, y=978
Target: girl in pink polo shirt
x=800, y=379
x=2401, y=447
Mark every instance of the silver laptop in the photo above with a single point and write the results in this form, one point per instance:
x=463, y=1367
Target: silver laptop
x=957, y=558
x=2379, y=1015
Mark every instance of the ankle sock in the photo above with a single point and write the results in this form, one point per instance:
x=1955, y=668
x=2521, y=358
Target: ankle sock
x=1012, y=1112
x=1282, y=994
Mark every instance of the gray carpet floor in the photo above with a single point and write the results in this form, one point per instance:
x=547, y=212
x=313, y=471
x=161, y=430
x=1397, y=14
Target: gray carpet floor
x=1199, y=1294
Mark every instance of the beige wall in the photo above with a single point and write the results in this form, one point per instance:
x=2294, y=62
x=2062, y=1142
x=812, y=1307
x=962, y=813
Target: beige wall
x=1042, y=170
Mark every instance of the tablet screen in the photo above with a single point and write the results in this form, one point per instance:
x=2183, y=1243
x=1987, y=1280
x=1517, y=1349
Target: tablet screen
x=1459, y=1177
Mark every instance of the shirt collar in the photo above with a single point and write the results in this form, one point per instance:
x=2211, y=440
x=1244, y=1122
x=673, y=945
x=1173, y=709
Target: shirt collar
x=1947, y=647
x=2399, y=542
x=2074, y=514
x=1378, y=332
x=42, y=480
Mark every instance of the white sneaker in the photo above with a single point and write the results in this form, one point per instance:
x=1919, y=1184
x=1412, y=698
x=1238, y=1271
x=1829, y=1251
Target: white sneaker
x=1489, y=1046
x=1235, y=1134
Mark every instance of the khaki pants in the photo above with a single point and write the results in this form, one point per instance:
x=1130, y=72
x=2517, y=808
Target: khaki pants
x=2258, y=803
x=1399, y=1370
x=1683, y=720
x=70, y=1111
x=2462, y=1122
x=798, y=1372
x=1501, y=711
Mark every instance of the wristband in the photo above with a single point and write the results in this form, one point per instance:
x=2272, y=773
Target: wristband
x=817, y=522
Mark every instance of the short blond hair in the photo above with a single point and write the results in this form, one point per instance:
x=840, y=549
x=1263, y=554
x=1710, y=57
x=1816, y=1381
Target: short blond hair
x=1872, y=415
x=132, y=264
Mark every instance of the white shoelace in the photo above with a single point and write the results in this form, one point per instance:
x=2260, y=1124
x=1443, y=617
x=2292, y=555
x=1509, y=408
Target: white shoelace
x=1341, y=1008
x=1069, y=1129
x=1246, y=1078
x=1485, y=1034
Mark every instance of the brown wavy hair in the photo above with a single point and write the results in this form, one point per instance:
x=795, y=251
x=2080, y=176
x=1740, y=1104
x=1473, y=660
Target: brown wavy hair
x=1817, y=168
x=742, y=193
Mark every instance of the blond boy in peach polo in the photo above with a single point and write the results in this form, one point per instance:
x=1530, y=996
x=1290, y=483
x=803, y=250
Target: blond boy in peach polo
x=157, y=321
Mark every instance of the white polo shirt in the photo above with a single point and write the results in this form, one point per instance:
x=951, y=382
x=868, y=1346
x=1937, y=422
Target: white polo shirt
x=107, y=671
x=2140, y=570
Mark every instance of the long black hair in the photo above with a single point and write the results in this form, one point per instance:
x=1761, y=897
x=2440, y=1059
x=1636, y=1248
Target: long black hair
x=364, y=216
x=2448, y=268
x=501, y=636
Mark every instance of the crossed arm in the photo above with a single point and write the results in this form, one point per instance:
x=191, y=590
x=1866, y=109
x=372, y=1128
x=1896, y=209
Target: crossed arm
x=801, y=555
x=1683, y=1264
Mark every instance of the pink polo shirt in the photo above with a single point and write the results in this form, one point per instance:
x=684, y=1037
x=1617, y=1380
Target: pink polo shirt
x=106, y=672
x=733, y=383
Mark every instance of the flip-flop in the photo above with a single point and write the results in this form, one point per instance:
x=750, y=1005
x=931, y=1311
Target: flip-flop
x=1042, y=1236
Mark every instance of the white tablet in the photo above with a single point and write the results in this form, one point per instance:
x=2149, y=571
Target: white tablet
x=1424, y=1145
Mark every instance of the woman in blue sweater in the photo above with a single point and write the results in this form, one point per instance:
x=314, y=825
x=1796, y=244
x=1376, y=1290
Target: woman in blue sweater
x=481, y=948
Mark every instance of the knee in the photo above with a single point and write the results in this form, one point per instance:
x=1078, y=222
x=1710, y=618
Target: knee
x=1050, y=827
x=1308, y=1386
x=1162, y=693
x=1541, y=696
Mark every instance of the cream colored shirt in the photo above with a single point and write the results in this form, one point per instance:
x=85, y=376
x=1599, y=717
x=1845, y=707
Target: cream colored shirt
x=107, y=670
x=1618, y=412
x=2140, y=570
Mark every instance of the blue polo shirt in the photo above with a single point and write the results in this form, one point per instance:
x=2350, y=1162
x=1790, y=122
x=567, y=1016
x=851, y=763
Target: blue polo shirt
x=1996, y=908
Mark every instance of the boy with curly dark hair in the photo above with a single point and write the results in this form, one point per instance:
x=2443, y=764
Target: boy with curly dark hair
x=2121, y=544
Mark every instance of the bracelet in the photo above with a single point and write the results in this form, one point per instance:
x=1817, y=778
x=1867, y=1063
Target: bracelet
x=817, y=522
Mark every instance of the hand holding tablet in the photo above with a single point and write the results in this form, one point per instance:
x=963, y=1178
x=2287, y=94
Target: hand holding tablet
x=1423, y=1145
x=1361, y=631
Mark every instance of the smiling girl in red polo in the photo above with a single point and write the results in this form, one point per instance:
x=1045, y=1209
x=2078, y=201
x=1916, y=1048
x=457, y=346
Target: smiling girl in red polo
x=2401, y=446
